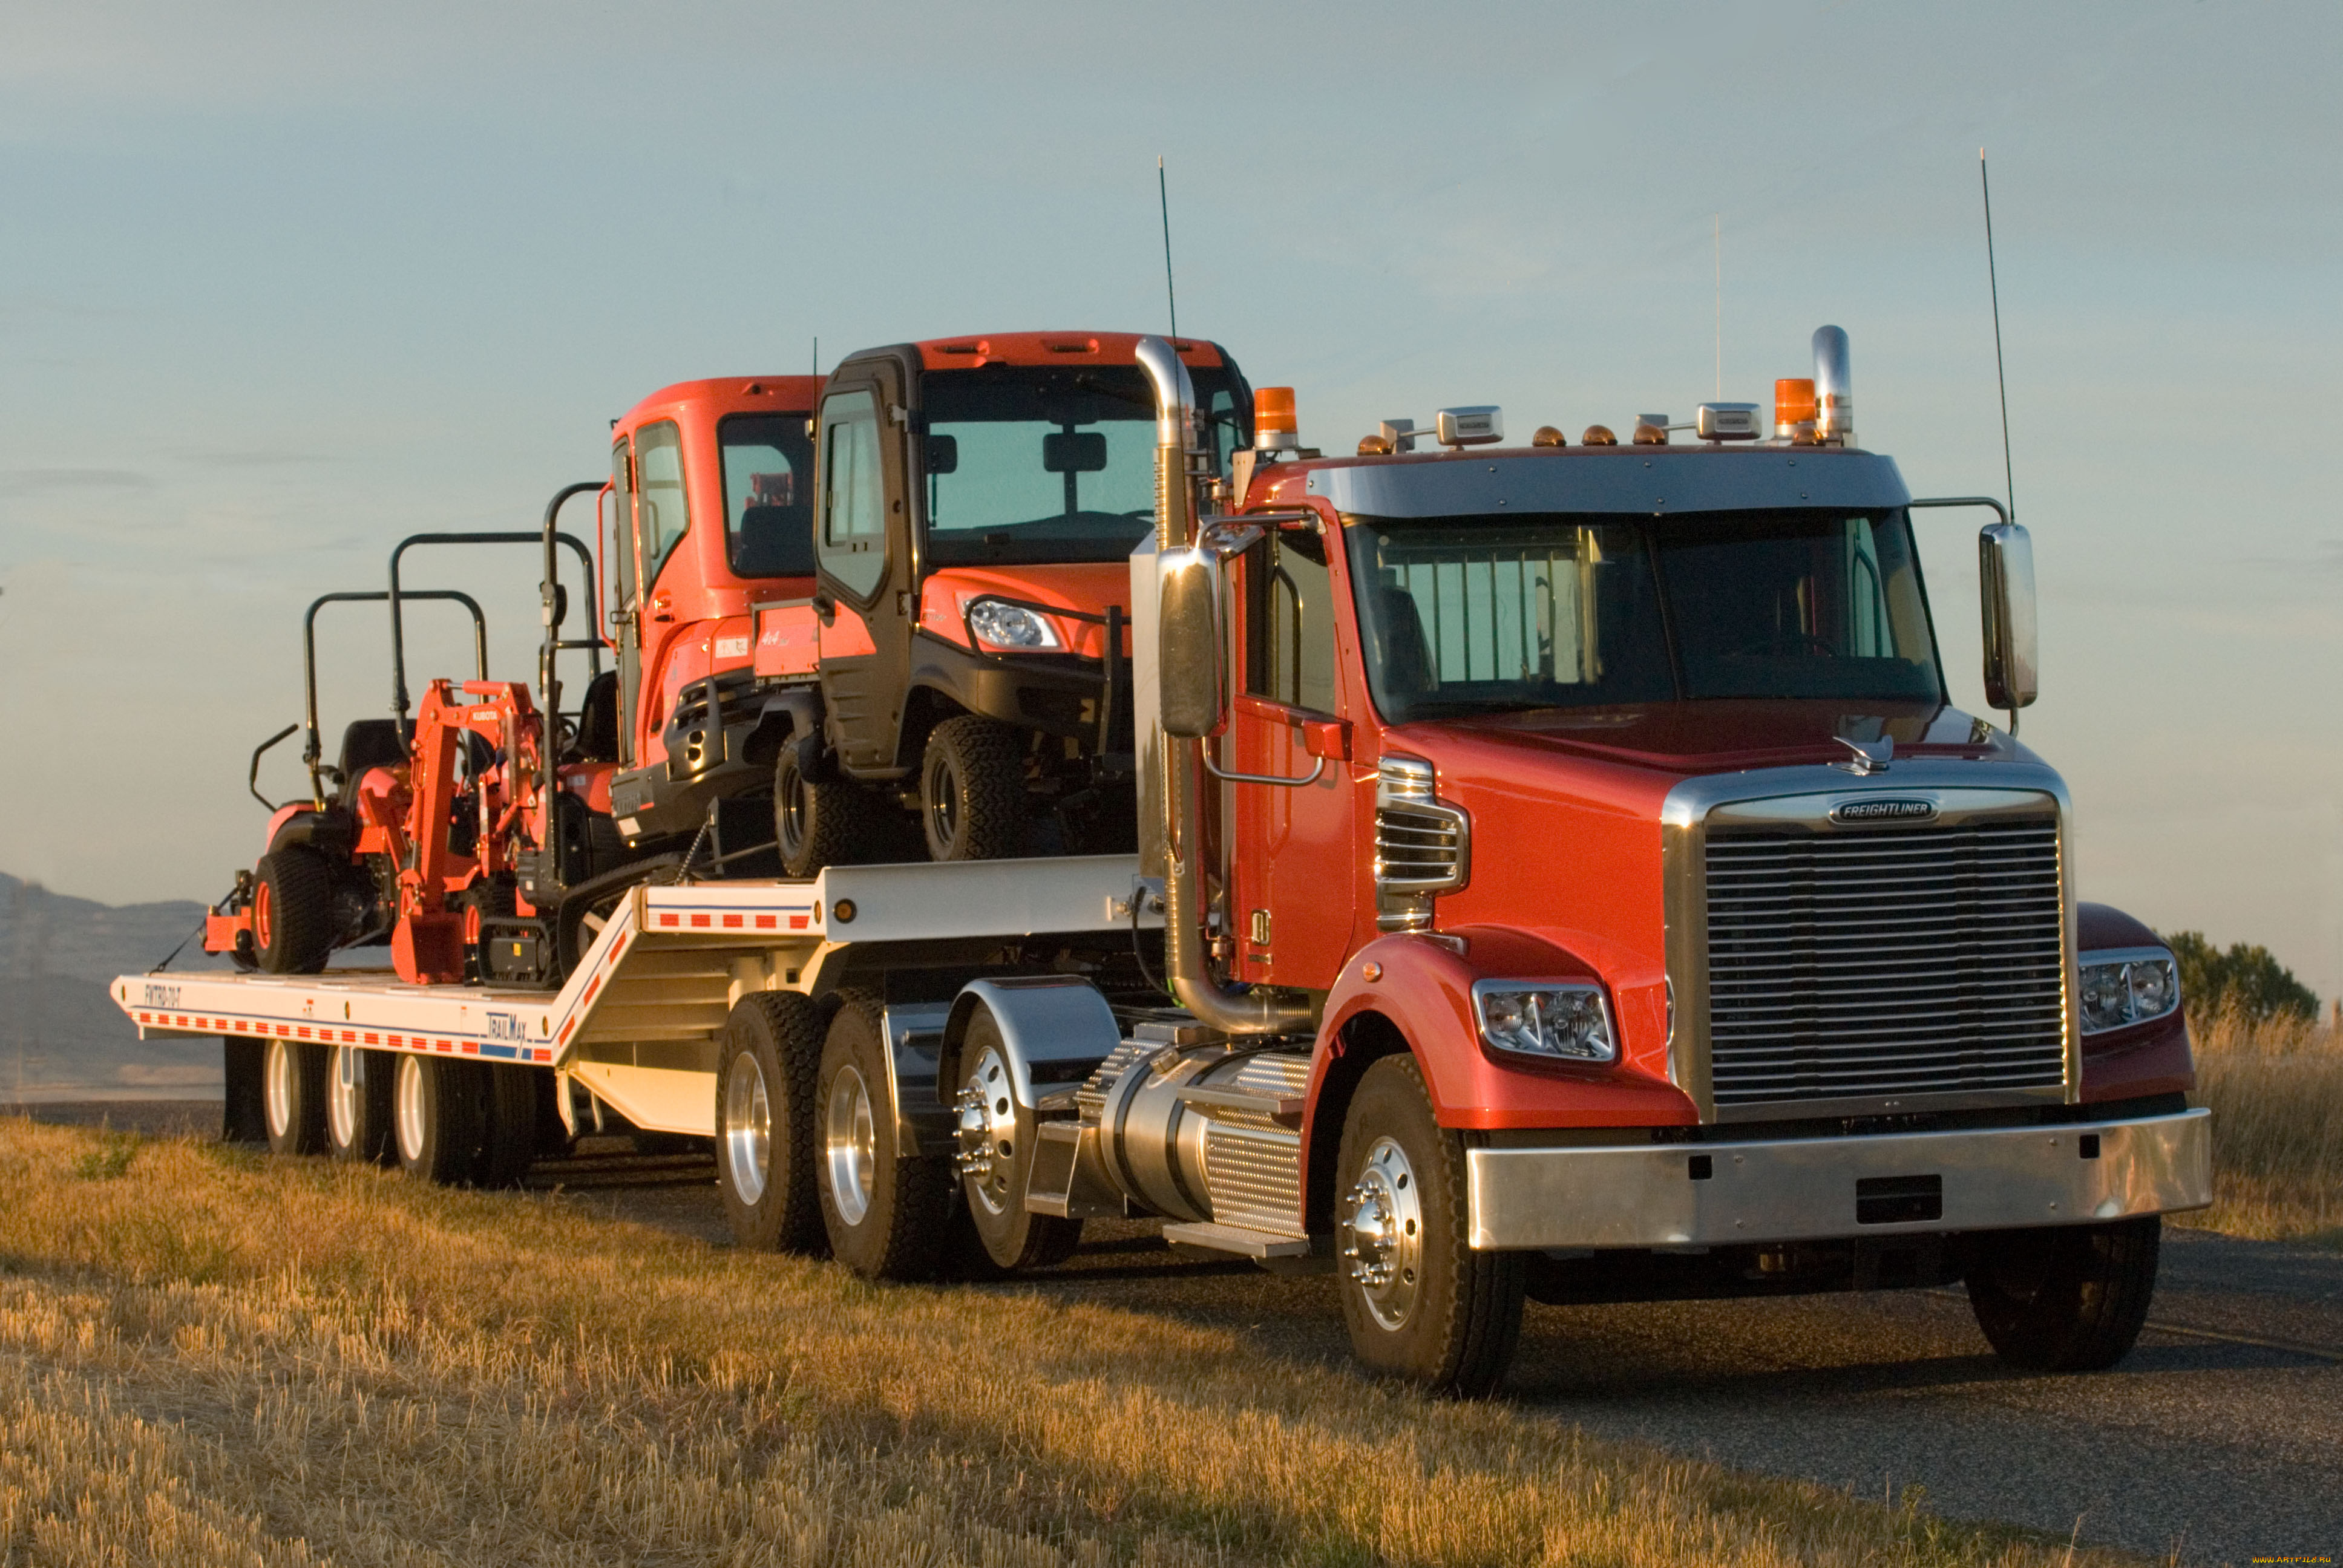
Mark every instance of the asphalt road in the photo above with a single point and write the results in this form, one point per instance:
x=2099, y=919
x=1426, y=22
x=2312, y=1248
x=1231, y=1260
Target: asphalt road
x=2219, y=1439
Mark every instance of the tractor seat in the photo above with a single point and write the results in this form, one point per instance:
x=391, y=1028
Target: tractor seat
x=368, y=743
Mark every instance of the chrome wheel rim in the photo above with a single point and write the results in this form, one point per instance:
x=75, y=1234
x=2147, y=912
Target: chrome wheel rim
x=342, y=1096
x=410, y=1117
x=747, y=1130
x=986, y=1134
x=278, y=1087
x=1382, y=1234
x=850, y=1146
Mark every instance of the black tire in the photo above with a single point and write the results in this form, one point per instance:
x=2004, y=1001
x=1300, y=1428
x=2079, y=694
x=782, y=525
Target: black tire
x=293, y=1097
x=2068, y=1299
x=766, y=1071
x=508, y=1137
x=996, y=1139
x=818, y=818
x=888, y=1215
x=1421, y=1303
x=441, y=1109
x=292, y=911
x=972, y=790
x=358, y=1084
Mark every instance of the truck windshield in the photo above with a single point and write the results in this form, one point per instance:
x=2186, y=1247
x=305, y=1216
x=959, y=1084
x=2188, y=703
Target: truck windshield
x=1468, y=615
x=1033, y=463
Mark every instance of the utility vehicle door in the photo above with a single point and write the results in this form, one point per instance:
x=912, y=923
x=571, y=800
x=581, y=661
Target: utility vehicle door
x=1294, y=890
x=662, y=518
x=862, y=545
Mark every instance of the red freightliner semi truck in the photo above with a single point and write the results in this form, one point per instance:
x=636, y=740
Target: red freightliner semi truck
x=1561, y=875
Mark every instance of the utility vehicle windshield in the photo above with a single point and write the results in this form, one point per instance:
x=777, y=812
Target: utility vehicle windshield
x=1031, y=463
x=1470, y=615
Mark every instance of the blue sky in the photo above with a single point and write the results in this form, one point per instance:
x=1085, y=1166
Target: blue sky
x=282, y=282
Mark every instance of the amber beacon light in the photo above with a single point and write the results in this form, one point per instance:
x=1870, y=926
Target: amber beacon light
x=1275, y=428
x=1794, y=410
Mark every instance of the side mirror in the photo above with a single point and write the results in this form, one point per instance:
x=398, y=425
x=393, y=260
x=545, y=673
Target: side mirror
x=2005, y=587
x=1194, y=701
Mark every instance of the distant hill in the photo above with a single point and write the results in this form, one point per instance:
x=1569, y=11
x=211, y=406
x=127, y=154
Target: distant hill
x=59, y=1033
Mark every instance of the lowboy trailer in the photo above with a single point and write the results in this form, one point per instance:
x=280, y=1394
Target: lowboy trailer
x=1562, y=875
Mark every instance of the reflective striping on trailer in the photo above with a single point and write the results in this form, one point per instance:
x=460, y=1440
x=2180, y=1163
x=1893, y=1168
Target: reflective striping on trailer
x=732, y=922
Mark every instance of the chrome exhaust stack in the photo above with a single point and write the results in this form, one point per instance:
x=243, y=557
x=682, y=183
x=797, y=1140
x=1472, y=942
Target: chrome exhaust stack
x=1179, y=463
x=1834, y=389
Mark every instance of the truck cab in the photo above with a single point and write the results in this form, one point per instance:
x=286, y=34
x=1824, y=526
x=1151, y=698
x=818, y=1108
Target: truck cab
x=711, y=489
x=979, y=499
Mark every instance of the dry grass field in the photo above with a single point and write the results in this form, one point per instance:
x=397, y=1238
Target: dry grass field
x=210, y=1358
x=2276, y=1090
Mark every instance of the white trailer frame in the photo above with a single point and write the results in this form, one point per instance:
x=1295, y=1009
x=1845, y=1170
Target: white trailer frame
x=638, y=1024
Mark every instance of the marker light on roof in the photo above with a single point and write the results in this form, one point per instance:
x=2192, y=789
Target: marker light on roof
x=1547, y=435
x=1598, y=435
x=1727, y=422
x=1275, y=426
x=1649, y=432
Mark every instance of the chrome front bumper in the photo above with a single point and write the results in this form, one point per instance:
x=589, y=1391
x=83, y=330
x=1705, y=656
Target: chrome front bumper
x=1813, y=1189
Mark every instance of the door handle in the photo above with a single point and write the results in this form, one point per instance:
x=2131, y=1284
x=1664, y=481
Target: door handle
x=1217, y=771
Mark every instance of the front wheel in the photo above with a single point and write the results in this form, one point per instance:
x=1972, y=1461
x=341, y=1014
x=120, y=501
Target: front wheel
x=996, y=1146
x=1421, y=1303
x=972, y=790
x=2072, y=1298
x=292, y=911
x=818, y=820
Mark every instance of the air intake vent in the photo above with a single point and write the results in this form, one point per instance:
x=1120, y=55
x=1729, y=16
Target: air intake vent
x=1886, y=962
x=1421, y=845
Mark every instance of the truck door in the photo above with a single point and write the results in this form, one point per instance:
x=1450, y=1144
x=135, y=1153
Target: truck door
x=862, y=546
x=624, y=610
x=1295, y=884
x=662, y=518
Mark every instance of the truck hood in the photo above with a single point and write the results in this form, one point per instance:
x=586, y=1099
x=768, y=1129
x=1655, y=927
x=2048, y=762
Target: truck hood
x=1691, y=737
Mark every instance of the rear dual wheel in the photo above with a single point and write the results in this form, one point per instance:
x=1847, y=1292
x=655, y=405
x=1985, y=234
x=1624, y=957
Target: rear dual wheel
x=765, y=1138
x=359, y=1085
x=890, y=1214
x=293, y=1097
x=465, y=1123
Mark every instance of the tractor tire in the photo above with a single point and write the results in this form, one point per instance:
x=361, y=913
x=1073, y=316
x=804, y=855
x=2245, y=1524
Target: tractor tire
x=2070, y=1297
x=358, y=1087
x=972, y=790
x=889, y=1214
x=818, y=818
x=441, y=1108
x=765, y=1141
x=997, y=1140
x=1422, y=1304
x=292, y=911
x=293, y=1097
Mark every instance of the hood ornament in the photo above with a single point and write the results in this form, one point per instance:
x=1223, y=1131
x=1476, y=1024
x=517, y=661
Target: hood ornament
x=1870, y=755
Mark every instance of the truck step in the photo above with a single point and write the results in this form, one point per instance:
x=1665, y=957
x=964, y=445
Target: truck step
x=1234, y=1238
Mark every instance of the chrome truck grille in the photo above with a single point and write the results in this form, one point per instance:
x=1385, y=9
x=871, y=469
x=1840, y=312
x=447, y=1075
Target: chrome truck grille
x=1877, y=963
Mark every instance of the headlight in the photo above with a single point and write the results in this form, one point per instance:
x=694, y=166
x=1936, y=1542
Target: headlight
x=1007, y=625
x=2131, y=987
x=1559, y=1020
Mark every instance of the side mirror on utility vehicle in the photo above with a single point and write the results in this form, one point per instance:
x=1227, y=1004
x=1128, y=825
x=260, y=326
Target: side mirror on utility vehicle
x=2006, y=586
x=1194, y=701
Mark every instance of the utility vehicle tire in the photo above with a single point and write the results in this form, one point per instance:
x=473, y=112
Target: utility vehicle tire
x=441, y=1108
x=508, y=1138
x=1421, y=1303
x=2070, y=1297
x=292, y=911
x=889, y=1214
x=765, y=1141
x=818, y=818
x=358, y=1087
x=293, y=1097
x=997, y=1143
x=972, y=790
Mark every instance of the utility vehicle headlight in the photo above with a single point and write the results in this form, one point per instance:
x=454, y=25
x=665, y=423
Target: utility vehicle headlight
x=1559, y=1020
x=2123, y=988
x=1008, y=625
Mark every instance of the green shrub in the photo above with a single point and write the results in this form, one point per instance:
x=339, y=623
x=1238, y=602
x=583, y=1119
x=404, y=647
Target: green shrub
x=2246, y=980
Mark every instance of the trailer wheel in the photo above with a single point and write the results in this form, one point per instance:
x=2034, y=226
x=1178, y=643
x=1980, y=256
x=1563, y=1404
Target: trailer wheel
x=1421, y=1303
x=972, y=790
x=2071, y=1298
x=889, y=1214
x=292, y=911
x=996, y=1156
x=358, y=1087
x=818, y=820
x=765, y=1143
x=293, y=1097
x=508, y=1140
x=439, y=1112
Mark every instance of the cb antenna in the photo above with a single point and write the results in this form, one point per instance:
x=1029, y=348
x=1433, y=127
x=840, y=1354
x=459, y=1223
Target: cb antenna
x=1164, y=195
x=2001, y=379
